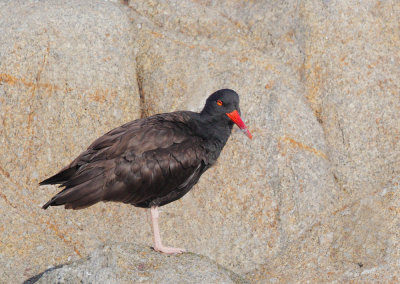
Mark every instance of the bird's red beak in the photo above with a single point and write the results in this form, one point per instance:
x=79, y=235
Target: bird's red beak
x=235, y=117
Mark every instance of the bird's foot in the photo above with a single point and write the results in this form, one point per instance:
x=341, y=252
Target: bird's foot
x=168, y=250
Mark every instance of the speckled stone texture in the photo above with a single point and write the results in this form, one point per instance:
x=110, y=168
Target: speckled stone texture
x=313, y=197
x=130, y=263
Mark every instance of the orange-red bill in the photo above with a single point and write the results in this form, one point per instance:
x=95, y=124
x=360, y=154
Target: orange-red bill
x=235, y=117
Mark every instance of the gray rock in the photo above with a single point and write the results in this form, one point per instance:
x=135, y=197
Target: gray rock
x=129, y=263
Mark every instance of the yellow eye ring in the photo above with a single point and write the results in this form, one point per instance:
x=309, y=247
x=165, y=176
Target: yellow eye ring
x=220, y=103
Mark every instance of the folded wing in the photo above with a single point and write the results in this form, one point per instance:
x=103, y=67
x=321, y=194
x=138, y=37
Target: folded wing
x=146, y=162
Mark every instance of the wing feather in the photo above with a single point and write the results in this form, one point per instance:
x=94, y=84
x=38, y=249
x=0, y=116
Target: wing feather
x=145, y=162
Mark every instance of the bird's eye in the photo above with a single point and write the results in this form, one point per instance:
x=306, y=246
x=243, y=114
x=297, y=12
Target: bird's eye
x=220, y=103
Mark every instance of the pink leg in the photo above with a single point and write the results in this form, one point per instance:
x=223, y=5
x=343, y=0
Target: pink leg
x=156, y=235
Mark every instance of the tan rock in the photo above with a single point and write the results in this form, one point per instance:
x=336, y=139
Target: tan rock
x=314, y=196
x=66, y=77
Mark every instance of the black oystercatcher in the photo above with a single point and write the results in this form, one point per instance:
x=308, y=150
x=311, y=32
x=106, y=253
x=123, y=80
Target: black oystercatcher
x=150, y=162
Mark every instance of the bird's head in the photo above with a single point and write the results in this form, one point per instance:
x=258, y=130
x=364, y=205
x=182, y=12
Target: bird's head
x=224, y=103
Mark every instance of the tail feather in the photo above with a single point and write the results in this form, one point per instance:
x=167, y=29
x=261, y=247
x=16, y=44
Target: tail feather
x=86, y=201
x=61, y=177
x=80, y=195
x=82, y=177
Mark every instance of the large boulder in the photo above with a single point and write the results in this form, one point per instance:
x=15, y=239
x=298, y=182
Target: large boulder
x=67, y=75
x=314, y=196
x=131, y=263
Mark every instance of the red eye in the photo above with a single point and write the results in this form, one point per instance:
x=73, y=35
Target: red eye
x=219, y=102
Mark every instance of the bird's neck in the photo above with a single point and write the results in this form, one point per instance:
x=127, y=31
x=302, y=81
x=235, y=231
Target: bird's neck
x=214, y=130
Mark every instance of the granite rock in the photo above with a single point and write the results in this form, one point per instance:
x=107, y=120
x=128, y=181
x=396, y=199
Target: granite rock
x=66, y=77
x=130, y=263
x=313, y=197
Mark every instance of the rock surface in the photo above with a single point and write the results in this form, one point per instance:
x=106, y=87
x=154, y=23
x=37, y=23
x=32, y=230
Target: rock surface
x=313, y=197
x=129, y=263
x=66, y=77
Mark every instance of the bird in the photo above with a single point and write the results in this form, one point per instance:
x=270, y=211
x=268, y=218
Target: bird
x=150, y=162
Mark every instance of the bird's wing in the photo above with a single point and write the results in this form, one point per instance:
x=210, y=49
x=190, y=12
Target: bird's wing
x=134, y=163
x=157, y=176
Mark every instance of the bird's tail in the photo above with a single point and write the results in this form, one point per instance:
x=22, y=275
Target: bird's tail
x=82, y=189
x=61, y=177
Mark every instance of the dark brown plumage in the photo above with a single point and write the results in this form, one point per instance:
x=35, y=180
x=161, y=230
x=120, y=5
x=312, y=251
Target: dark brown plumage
x=152, y=161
